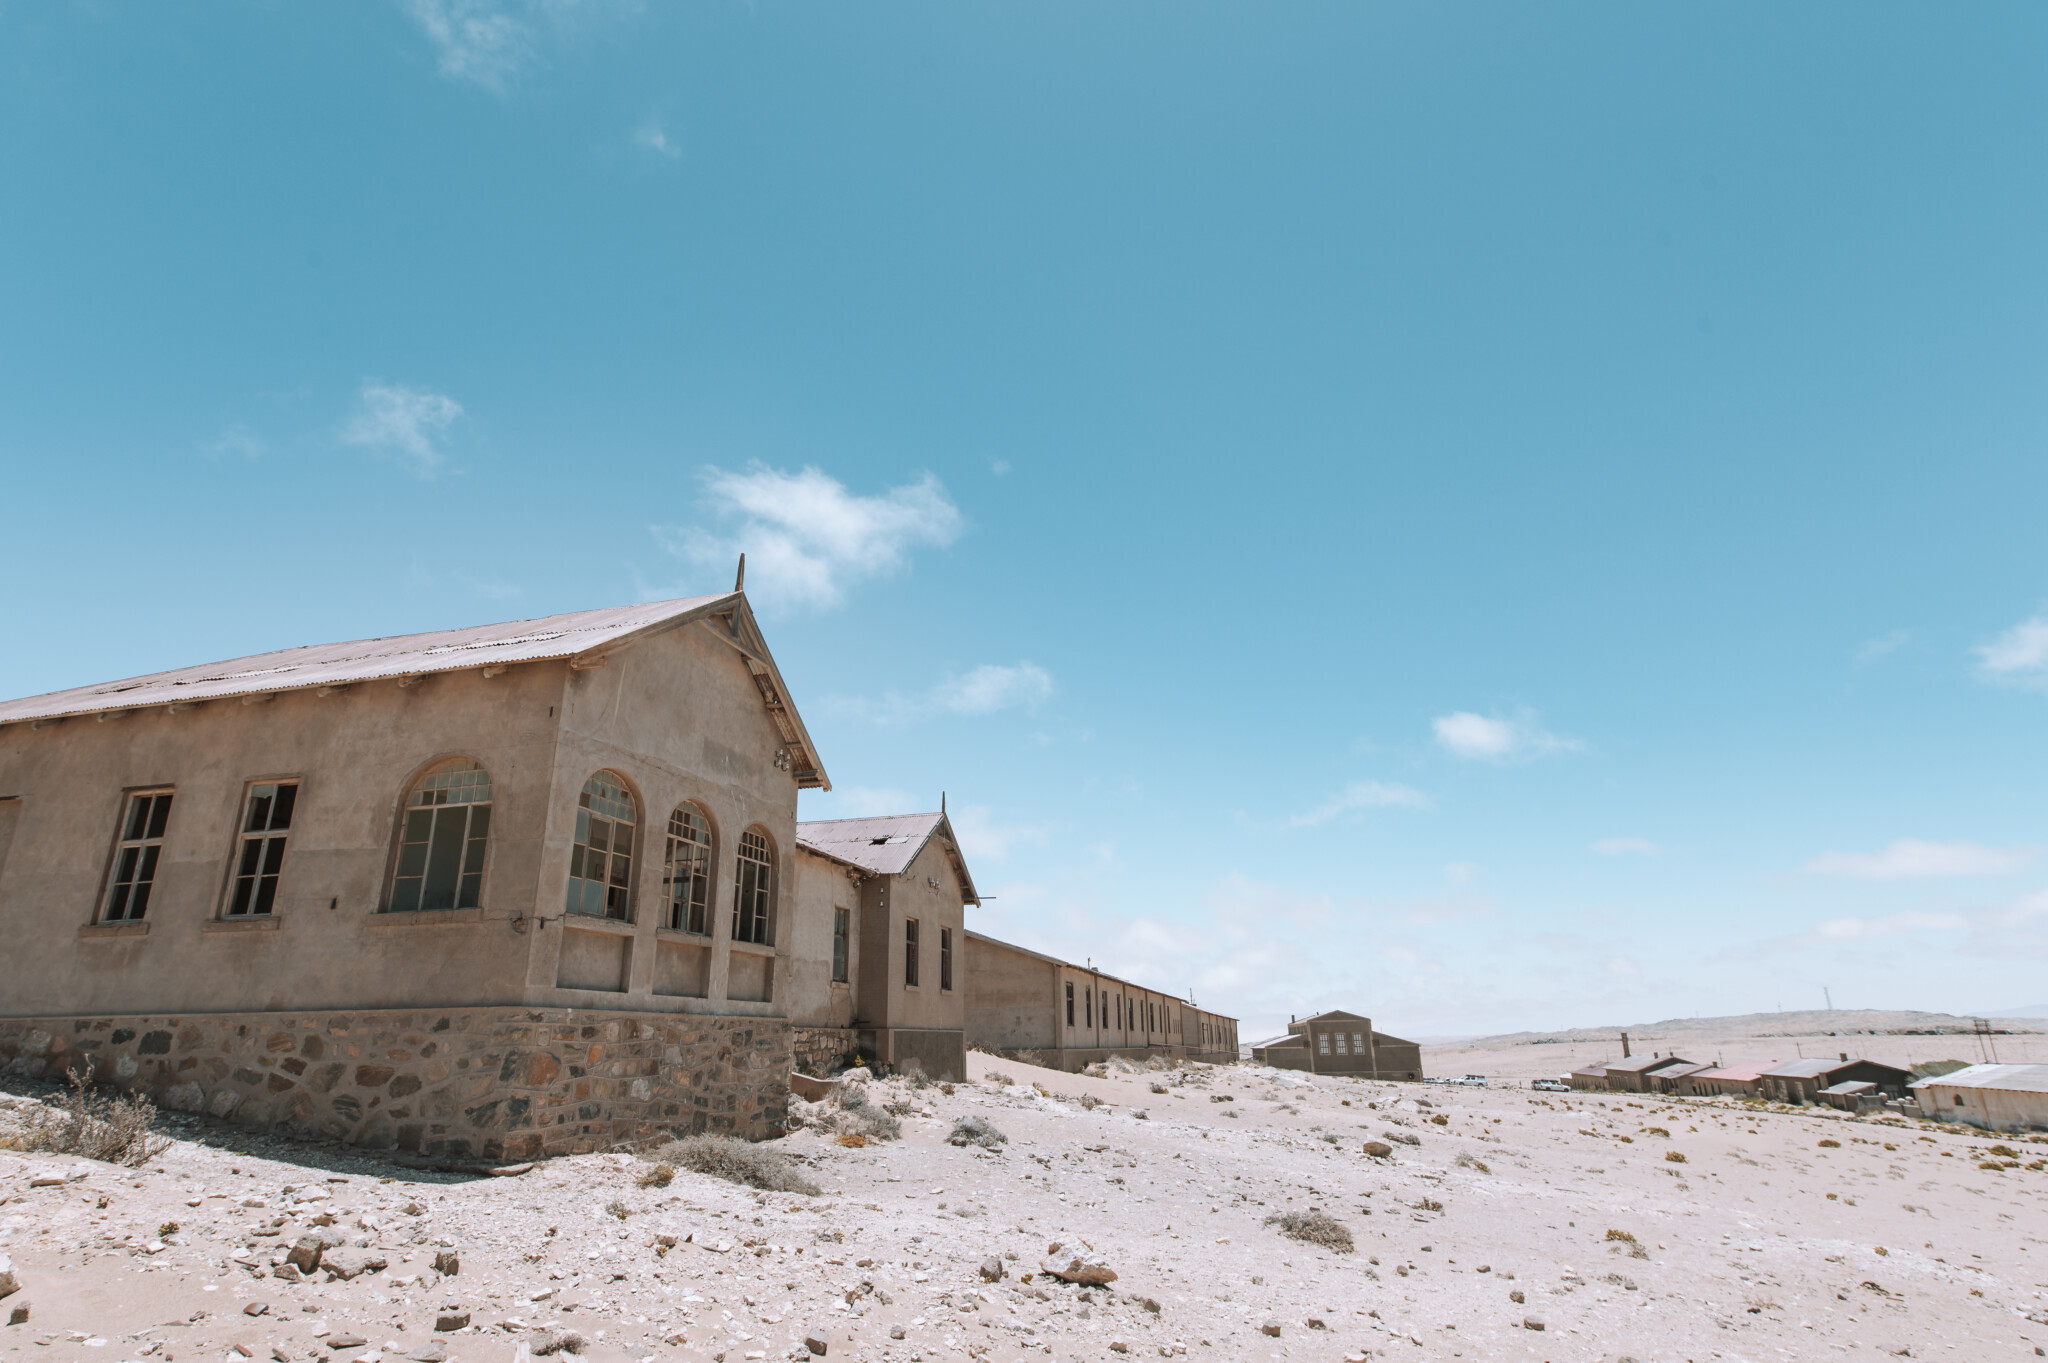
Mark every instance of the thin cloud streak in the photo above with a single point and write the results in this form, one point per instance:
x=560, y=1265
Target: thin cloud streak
x=410, y=423
x=1916, y=859
x=1363, y=795
x=1489, y=738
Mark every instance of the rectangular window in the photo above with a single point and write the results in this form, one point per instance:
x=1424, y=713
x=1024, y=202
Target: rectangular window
x=1070, y=1003
x=1119, y=1012
x=1340, y=1044
x=909, y=952
x=1358, y=1043
x=259, y=856
x=1088, y=1009
x=945, y=958
x=1323, y=1042
x=841, y=920
x=139, y=844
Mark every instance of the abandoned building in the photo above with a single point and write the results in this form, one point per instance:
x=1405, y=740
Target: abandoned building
x=502, y=891
x=1995, y=1097
x=1802, y=1081
x=1635, y=1074
x=1045, y=1011
x=1341, y=1043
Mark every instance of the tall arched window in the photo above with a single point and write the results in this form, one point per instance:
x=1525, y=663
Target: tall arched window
x=601, y=862
x=442, y=837
x=753, y=901
x=686, y=872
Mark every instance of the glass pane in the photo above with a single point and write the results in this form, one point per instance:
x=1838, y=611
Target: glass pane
x=159, y=815
x=117, y=903
x=138, y=817
x=260, y=800
x=281, y=812
x=273, y=856
x=600, y=837
x=243, y=886
x=266, y=894
x=405, y=895
x=472, y=888
x=473, y=859
x=252, y=851
x=138, y=901
x=444, y=859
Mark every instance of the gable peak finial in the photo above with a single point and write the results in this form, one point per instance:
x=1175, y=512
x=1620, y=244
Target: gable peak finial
x=739, y=582
x=942, y=802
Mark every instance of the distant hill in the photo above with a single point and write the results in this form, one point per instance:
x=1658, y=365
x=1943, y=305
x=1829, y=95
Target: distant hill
x=1813, y=1022
x=2032, y=1010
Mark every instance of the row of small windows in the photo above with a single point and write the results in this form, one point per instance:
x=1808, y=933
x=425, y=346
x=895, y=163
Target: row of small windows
x=1132, y=1015
x=912, y=959
x=1357, y=1043
x=444, y=833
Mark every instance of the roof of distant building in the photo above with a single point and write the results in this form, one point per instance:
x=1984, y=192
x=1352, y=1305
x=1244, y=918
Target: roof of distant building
x=886, y=844
x=582, y=638
x=2012, y=1078
x=1644, y=1064
x=1746, y=1073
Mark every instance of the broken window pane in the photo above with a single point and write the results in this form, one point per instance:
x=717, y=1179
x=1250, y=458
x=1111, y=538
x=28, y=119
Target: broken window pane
x=751, y=902
x=686, y=871
x=266, y=821
x=442, y=840
x=135, y=855
x=601, y=861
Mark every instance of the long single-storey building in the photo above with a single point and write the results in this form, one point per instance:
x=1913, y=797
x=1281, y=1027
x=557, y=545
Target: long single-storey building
x=1995, y=1097
x=1801, y=1081
x=1046, y=1011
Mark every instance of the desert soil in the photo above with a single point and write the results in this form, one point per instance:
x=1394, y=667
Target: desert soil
x=1765, y=1242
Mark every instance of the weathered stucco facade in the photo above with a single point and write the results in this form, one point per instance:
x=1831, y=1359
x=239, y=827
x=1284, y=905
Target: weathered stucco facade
x=1337, y=1042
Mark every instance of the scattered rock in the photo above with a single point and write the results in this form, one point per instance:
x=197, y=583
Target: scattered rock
x=451, y=1319
x=18, y=1315
x=285, y=1273
x=559, y=1341
x=1117, y=1346
x=1516, y=1296
x=350, y=1263
x=1271, y=1327
x=992, y=1269
x=815, y=1342
x=344, y=1341
x=1077, y=1271
x=1532, y=1323
x=433, y=1352
x=1315, y=1323
x=305, y=1253
x=9, y=1284
x=1378, y=1149
x=895, y=1332
x=1144, y=1303
x=256, y=1308
x=447, y=1264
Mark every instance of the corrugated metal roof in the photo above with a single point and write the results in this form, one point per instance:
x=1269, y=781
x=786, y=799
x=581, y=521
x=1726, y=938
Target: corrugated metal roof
x=885, y=844
x=1644, y=1064
x=1744, y=1074
x=577, y=634
x=1851, y=1086
x=2012, y=1078
x=1115, y=979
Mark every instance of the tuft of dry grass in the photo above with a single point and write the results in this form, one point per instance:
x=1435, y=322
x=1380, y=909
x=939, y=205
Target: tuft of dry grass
x=657, y=1177
x=1674, y=1157
x=1315, y=1228
x=853, y=1140
x=736, y=1161
x=1830, y=1143
x=113, y=1128
x=1621, y=1235
x=976, y=1130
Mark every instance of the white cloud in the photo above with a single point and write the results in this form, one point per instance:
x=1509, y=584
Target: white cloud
x=1363, y=795
x=993, y=687
x=237, y=440
x=1461, y=872
x=1873, y=649
x=407, y=422
x=1622, y=965
x=2019, y=654
x=807, y=538
x=652, y=136
x=474, y=40
x=1913, y=858
x=1624, y=847
x=983, y=839
x=860, y=802
x=1493, y=739
x=1890, y=925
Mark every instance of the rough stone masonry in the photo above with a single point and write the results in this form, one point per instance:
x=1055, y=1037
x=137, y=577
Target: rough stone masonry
x=491, y=1083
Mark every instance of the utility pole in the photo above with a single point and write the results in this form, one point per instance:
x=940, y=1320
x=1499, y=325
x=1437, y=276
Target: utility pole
x=1829, y=997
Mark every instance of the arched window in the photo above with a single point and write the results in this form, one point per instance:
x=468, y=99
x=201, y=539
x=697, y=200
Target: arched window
x=601, y=862
x=686, y=872
x=753, y=902
x=442, y=837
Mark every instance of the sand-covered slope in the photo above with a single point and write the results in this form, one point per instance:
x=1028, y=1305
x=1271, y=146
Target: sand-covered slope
x=1777, y=1234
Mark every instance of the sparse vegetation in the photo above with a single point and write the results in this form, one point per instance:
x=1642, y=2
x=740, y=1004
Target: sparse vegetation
x=976, y=1130
x=116, y=1128
x=1621, y=1235
x=736, y=1161
x=1315, y=1228
x=657, y=1177
x=1830, y=1143
x=1674, y=1157
x=618, y=1209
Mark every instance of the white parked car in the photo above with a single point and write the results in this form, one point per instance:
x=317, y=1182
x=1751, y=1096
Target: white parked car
x=1471, y=1081
x=1551, y=1086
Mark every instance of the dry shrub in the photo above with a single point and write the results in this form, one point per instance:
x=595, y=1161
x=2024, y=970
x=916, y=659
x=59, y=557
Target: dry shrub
x=853, y=1140
x=736, y=1161
x=559, y=1342
x=1089, y=1102
x=1830, y=1143
x=114, y=1128
x=618, y=1209
x=1674, y=1157
x=657, y=1177
x=976, y=1131
x=1621, y=1235
x=998, y=1077
x=1315, y=1228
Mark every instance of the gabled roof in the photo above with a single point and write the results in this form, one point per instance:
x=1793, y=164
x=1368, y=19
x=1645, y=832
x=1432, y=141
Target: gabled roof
x=886, y=844
x=582, y=638
x=2011, y=1078
x=1644, y=1064
x=1808, y=1069
x=1747, y=1073
x=1109, y=978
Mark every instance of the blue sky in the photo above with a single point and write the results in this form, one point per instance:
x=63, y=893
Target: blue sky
x=1489, y=516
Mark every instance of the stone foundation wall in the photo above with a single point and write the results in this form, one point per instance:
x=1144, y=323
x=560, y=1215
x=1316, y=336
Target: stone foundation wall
x=492, y=1083
x=818, y=1050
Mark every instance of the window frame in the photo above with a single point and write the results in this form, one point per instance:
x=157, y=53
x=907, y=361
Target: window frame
x=945, y=960
x=760, y=930
x=674, y=917
x=1070, y=1003
x=912, y=971
x=842, y=944
x=407, y=807
x=143, y=844
x=244, y=837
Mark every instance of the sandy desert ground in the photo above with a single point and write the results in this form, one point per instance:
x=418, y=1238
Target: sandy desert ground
x=1757, y=1235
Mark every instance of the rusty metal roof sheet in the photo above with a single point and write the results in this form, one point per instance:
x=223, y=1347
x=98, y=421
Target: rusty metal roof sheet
x=1747, y=1073
x=885, y=844
x=2010, y=1078
x=576, y=636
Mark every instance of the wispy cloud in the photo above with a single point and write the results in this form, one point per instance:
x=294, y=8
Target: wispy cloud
x=1870, y=650
x=479, y=42
x=806, y=537
x=1890, y=925
x=982, y=838
x=1490, y=738
x=410, y=423
x=237, y=441
x=2020, y=654
x=993, y=687
x=1363, y=795
x=1626, y=847
x=1915, y=859
x=655, y=138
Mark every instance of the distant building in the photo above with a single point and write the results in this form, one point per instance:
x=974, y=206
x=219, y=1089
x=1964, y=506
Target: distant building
x=1046, y=1011
x=1634, y=1075
x=1726, y=1081
x=1672, y=1078
x=1801, y=1081
x=1995, y=1097
x=1589, y=1078
x=1337, y=1042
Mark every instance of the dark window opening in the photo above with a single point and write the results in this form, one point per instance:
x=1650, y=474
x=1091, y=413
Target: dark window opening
x=841, y=923
x=686, y=872
x=601, y=861
x=752, y=902
x=441, y=841
x=266, y=824
x=909, y=951
x=136, y=853
x=945, y=958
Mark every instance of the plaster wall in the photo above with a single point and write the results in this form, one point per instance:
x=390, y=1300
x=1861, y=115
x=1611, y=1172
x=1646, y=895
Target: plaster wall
x=1993, y=1109
x=926, y=1006
x=811, y=998
x=1010, y=999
